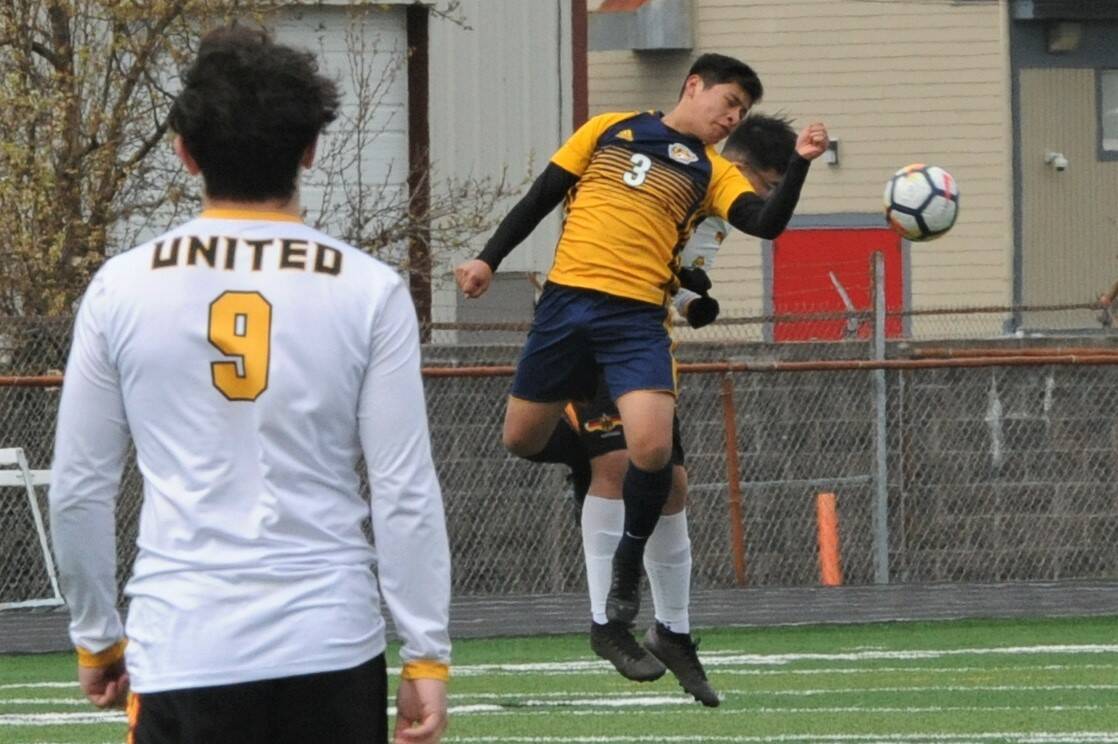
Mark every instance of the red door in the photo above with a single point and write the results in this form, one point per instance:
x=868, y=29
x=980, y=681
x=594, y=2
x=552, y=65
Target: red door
x=809, y=267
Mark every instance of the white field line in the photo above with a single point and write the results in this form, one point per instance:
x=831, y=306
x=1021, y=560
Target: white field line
x=1006, y=737
x=586, y=706
x=917, y=670
x=547, y=708
x=593, y=696
x=768, y=672
x=725, y=660
x=620, y=699
x=56, y=719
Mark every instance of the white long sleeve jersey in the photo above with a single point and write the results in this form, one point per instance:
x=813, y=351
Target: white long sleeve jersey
x=699, y=253
x=253, y=361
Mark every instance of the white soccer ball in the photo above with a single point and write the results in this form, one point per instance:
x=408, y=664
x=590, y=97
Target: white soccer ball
x=921, y=201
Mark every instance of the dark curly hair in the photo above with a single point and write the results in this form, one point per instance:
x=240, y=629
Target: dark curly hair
x=248, y=110
x=765, y=142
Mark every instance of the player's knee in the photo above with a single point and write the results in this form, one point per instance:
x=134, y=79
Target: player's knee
x=520, y=443
x=651, y=455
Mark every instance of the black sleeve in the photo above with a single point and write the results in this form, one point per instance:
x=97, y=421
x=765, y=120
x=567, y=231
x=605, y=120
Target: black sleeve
x=767, y=218
x=546, y=192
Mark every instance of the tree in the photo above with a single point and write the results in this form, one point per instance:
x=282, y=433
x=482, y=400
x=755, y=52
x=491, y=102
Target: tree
x=84, y=171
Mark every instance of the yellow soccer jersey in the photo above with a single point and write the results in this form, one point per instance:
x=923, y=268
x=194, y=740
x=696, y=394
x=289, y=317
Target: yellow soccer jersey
x=642, y=186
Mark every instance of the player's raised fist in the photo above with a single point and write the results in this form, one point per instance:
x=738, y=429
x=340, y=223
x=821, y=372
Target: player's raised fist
x=812, y=141
x=473, y=277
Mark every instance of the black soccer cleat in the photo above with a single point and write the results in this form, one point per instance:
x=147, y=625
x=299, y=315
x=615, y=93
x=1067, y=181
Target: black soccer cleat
x=624, y=599
x=615, y=643
x=680, y=654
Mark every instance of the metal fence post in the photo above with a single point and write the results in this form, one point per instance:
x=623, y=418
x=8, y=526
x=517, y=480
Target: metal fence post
x=733, y=478
x=881, y=401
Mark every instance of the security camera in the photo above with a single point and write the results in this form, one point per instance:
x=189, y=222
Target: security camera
x=1057, y=161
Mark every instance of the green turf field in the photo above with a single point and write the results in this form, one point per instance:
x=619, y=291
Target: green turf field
x=1035, y=681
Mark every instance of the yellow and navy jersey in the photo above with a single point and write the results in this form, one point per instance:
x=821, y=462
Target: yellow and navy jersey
x=642, y=187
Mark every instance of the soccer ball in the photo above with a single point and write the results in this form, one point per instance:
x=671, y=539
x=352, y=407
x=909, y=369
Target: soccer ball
x=921, y=201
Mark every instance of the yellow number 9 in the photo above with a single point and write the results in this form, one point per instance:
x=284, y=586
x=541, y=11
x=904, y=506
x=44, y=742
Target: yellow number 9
x=241, y=327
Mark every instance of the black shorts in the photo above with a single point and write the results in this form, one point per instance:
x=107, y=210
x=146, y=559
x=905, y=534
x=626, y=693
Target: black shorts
x=599, y=426
x=342, y=707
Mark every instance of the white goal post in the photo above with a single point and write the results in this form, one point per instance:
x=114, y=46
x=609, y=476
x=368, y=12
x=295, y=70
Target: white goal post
x=15, y=474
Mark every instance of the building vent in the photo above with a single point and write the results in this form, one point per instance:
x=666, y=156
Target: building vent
x=642, y=25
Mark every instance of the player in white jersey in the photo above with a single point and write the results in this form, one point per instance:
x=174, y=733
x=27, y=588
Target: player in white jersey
x=253, y=361
x=761, y=146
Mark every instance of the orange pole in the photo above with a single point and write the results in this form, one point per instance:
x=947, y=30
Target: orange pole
x=830, y=562
x=733, y=475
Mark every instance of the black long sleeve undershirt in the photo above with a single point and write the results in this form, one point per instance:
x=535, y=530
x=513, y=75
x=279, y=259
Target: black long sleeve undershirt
x=544, y=195
x=767, y=218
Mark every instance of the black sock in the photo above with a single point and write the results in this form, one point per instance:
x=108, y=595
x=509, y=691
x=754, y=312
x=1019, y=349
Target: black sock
x=645, y=493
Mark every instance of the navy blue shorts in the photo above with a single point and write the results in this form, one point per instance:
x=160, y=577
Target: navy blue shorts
x=577, y=332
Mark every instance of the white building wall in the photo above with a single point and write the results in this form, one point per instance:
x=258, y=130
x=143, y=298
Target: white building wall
x=500, y=104
x=361, y=51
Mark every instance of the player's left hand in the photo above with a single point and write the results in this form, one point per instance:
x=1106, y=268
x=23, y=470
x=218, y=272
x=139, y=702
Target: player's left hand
x=812, y=141
x=421, y=715
x=106, y=687
x=694, y=279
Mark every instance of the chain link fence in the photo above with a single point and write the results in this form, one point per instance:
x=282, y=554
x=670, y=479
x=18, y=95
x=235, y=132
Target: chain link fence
x=993, y=459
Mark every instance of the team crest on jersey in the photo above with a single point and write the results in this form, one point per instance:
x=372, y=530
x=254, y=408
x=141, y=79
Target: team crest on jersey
x=681, y=154
x=625, y=134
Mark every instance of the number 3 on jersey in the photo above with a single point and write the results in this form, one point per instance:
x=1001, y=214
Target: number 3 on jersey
x=636, y=176
x=241, y=327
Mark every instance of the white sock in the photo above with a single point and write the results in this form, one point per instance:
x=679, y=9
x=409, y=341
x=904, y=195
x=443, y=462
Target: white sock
x=667, y=561
x=603, y=521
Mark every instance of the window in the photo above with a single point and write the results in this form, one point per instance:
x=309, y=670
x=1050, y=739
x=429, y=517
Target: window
x=1108, y=113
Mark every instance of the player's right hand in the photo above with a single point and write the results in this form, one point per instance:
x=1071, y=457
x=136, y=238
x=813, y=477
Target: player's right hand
x=702, y=311
x=473, y=277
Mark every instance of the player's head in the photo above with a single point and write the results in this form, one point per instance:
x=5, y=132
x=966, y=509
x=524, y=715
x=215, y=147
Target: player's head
x=249, y=114
x=761, y=147
x=717, y=94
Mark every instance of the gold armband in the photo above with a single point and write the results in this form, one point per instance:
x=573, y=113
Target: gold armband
x=107, y=657
x=425, y=669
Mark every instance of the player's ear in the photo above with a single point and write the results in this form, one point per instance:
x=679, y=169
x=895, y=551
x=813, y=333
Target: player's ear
x=184, y=155
x=692, y=85
x=308, y=155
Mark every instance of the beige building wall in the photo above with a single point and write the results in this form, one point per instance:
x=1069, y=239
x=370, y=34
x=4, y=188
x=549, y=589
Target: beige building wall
x=1066, y=237
x=896, y=82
